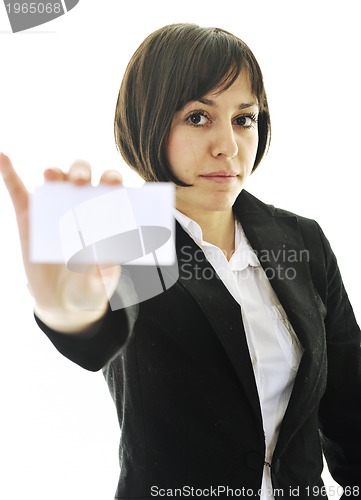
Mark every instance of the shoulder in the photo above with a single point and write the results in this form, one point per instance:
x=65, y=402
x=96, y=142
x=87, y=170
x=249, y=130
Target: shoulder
x=247, y=204
x=266, y=217
x=274, y=227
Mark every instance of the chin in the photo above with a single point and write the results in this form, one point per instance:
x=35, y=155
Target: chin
x=207, y=202
x=222, y=203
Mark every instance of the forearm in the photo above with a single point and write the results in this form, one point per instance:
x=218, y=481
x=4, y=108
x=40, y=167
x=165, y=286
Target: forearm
x=92, y=348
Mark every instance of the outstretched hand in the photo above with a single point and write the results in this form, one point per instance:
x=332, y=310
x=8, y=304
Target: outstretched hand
x=64, y=300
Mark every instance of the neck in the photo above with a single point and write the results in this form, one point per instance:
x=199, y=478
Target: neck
x=217, y=228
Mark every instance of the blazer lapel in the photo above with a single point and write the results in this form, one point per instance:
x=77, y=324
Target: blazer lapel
x=279, y=245
x=221, y=310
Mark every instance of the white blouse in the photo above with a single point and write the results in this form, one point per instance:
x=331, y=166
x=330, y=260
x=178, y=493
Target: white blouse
x=273, y=345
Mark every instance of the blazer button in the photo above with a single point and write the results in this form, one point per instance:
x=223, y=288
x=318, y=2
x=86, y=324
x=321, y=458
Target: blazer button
x=254, y=460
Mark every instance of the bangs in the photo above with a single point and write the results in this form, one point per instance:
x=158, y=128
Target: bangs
x=214, y=60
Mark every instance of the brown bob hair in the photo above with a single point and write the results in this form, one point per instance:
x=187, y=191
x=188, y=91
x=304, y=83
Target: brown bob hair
x=174, y=65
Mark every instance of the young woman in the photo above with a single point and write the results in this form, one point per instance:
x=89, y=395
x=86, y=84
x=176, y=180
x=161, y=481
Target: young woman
x=234, y=380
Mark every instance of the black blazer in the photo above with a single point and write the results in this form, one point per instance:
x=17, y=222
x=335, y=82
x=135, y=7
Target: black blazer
x=183, y=384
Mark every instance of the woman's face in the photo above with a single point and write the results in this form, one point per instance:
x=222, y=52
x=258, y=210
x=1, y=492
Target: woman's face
x=212, y=145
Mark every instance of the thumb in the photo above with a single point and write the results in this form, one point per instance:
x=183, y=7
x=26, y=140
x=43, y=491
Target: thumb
x=14, y=185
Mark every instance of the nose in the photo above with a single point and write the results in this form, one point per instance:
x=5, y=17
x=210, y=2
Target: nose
x=224, y=142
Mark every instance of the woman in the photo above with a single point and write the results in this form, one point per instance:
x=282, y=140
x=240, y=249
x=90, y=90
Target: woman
x=232, y=381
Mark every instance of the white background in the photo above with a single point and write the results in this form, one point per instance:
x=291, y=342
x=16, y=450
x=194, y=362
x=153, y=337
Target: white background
x=58, y=88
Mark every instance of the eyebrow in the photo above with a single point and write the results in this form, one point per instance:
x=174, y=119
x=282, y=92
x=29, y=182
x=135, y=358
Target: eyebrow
x=243, y=105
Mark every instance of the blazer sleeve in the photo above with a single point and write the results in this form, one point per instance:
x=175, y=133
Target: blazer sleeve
x=340, y=407
x=94, y=348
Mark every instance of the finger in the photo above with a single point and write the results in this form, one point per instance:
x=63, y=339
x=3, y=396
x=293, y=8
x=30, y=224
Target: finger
x=54, y=174
x=14, y=185
x=112, y=177
x=80, y=172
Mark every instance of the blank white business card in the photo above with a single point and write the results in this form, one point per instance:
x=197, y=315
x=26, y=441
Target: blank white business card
x=106, y=225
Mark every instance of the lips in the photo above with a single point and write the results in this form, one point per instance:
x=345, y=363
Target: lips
x=222, y=177
x=220, y=173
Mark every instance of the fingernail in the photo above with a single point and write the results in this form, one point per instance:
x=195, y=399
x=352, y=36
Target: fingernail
x=80, y=173
x=113, y=175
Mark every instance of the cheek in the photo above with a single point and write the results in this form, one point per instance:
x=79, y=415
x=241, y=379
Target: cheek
x=254, y=142
x=179, y=139
x=180, y=149
x=173, y=148
x=252, y=147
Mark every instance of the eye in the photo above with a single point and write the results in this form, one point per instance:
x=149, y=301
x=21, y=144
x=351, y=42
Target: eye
x=246, y=121
x=197, y=118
